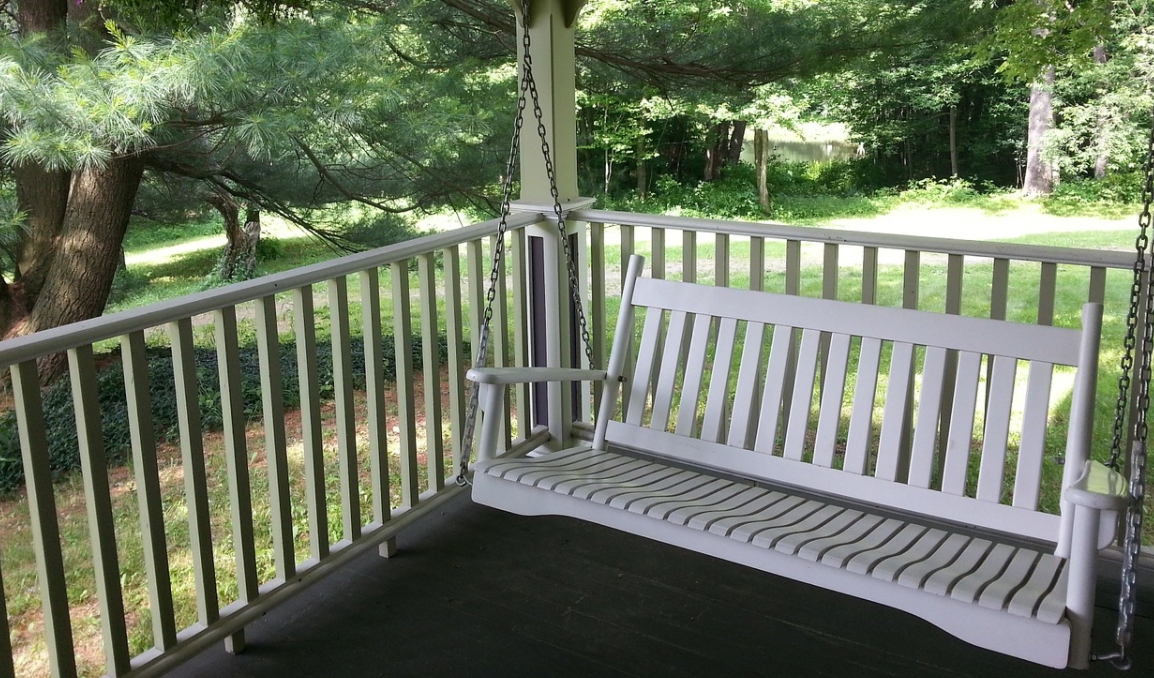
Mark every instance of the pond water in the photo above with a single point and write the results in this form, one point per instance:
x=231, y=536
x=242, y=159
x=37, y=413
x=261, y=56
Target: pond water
x=805, y=151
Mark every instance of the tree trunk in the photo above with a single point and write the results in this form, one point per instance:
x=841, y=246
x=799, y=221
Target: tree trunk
x=233, y=233
x=718, y=152
x=77, y=285
x=736, y=142
x=40, y=16
x=642, y=169
x=1039, y=173
x=43, y=196
x=761, y=163
x=954, y=171
x=1102, y=161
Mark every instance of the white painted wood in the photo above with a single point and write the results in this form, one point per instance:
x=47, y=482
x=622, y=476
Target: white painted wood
x=694, y=374
x=717, y=403
x=915, y=574
x=657, y=253
x=869, y=275
x=793, y=267
x=922, y=462
x=1043, y=579
x=1021, y=637
x=689, y=256
x=403, y=356
x=644, y=370
x=912, y=543
x=838, y=524
x=832, y=390
x=666, y=377
x=944, y=580
x=852, y=534
x=316, y=498
x=431, y=373
x=345, y=416
x=773, y=392
x=803, y=388
x=684, y=511
x=721, y=260
x=44, y=521
x=1028, y=342
x=970, y=586
x=855, y=547
x=598, y=315
x=766, y=509
x=961, y=432
x=889, y=462
x=236, y=455
x=149, y=499
x=1046, y=290
x=98, y=501
x=275, y=445
x=997, y=595
x=911, y=278
x=756, y=263
x=898, y=496
x=994, y=441
x=747, y=395
x=861, y=416
x=780, y=524
x=750, y=500
x=955, y=570
x=375, y=375
x=192, y=462
x=519, y=258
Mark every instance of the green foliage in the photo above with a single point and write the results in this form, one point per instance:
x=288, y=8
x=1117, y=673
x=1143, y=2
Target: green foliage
x=379, y=229
x=63, y=454
x=1115, y=195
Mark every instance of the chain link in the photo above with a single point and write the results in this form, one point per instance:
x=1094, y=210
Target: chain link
x=1132, y=542
x=527, y=91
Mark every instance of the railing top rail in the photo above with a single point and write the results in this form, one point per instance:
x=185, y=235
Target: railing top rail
x=67, y=337
x=978, y=248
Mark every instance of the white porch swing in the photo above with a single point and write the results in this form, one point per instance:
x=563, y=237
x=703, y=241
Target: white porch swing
x=689, y=452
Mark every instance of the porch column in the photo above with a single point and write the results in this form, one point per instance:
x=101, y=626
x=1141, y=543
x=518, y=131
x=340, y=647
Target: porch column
x=552, y=341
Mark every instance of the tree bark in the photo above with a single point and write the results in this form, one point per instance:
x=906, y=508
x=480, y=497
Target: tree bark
x=761, y=163
x=40, y=16
x=736, y=142
x=642, y=169
x=1039, y=173
x=43, y=196
x=1102, y=161
x=80, y=279
x=954, y=171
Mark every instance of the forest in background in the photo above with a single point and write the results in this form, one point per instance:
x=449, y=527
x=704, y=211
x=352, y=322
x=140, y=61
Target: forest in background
x=119, y=110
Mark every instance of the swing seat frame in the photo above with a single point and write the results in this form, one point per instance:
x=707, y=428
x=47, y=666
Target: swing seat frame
x=704, y=440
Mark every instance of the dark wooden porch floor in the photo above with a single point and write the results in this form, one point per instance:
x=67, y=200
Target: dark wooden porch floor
x=476, y=592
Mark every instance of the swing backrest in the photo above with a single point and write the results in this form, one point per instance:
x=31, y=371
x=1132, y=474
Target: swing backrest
x=916, y=411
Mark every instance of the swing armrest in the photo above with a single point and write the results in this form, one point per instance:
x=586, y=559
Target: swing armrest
x=1099, y=487
x=1104, y=491
x=523, y=375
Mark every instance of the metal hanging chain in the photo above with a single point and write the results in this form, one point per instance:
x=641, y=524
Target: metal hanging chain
x=1132, y=542
x=528, y=90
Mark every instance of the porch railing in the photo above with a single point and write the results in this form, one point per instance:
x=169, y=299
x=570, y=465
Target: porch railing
x=366, y=460
x=384, y=461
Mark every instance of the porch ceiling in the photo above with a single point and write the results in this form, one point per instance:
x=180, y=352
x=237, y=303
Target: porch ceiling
x=476, y=592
